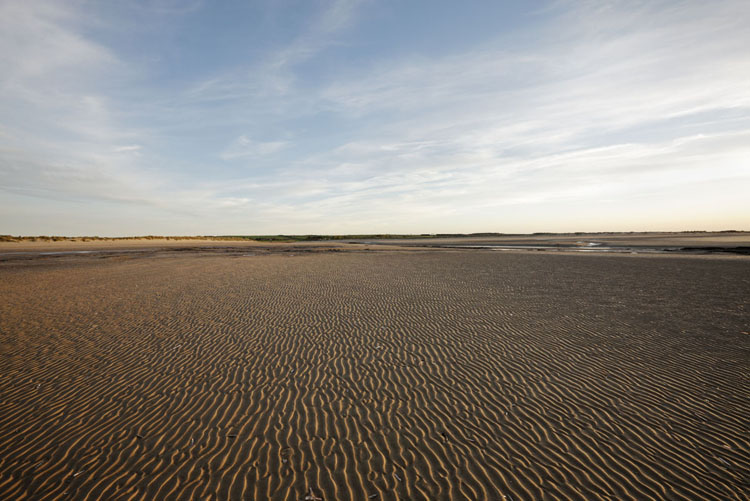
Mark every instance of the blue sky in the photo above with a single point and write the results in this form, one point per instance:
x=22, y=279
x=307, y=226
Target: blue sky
x=265, y=117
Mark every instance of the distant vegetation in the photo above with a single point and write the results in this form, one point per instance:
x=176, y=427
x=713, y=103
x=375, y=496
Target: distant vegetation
x=313, y=238
x=257, y=238
x=45, y=238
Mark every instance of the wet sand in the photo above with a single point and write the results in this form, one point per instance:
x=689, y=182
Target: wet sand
x=730, y=242
x=386, y=374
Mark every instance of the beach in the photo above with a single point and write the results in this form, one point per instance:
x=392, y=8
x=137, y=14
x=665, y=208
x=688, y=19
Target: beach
x=357, y=371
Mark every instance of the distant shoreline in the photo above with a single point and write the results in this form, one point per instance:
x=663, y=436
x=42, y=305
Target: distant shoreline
x=653, y=243
x=375, y=236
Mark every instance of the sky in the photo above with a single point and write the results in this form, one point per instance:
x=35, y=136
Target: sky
x=245, y=117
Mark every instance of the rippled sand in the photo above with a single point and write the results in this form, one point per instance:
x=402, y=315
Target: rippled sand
x=381, y=375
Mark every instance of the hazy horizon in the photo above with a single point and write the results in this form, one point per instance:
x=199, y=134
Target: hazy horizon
x=358, y=117
x=353, y=235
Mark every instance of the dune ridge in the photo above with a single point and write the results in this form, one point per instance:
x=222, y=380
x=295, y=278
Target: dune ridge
x=427, y=375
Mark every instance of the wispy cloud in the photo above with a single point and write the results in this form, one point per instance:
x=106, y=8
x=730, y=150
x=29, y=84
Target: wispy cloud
x=273, y=75
x=244, y=147
x=493, y=123
x=131, y=148
x=623, y=106
x=59, y=128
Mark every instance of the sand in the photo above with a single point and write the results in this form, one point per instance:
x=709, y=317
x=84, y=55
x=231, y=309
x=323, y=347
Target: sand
x=26, y=246
x=736, y=242
x=430, y=374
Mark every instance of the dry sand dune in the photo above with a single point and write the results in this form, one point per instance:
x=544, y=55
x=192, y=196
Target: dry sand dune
x=384, y=375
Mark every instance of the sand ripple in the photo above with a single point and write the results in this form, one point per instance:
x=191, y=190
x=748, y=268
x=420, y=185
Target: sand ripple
x=435, y=375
